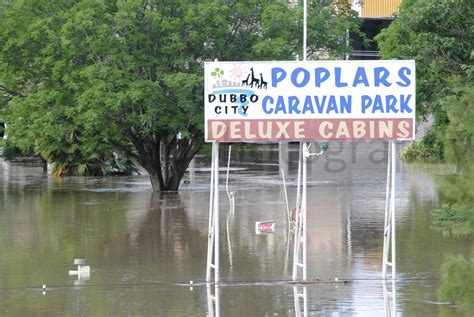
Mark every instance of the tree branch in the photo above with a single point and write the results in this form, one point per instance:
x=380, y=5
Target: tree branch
x=10, y=93
x=123, y=149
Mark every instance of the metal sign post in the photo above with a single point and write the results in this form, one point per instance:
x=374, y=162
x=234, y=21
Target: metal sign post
x=297, y=219
x=389, y=299
x=300, y=251
x=213, y=301
x=304, y=211
x=389, y=223
x=300, y=246
x=213, y=236
x=298, y=296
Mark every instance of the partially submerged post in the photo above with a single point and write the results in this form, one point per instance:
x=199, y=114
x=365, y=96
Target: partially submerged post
x=283, y=158
x=213, y=236
x=389, y=219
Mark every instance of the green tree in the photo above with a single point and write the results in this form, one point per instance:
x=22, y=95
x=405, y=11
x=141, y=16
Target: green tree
x=439, y=35
x=458, y=281
x=83, y=79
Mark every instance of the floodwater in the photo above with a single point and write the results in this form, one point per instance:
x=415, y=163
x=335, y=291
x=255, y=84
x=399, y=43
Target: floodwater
x=145, y=248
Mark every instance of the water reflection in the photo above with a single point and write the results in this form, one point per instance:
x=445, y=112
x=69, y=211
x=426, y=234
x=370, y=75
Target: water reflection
x=300, y=295
x=389, y=299
x=213, y=300
x=82, y=279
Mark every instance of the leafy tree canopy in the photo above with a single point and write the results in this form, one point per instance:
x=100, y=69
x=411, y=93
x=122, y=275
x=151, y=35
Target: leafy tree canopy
x=82, y=80
x=439, y=36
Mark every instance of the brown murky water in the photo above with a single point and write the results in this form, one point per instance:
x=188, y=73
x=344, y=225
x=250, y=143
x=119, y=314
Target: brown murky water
x=145, y=248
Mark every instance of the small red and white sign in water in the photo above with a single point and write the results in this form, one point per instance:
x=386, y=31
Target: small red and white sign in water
x=267, y=226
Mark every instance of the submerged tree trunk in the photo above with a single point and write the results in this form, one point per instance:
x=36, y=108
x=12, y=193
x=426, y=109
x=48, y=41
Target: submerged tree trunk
x=165, y=158
x=44, y=164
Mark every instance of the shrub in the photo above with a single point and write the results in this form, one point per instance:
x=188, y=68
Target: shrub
x=458, y=281
x=10, y=151
x=419, y=151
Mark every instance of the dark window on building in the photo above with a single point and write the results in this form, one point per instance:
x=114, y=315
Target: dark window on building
x=371, y=27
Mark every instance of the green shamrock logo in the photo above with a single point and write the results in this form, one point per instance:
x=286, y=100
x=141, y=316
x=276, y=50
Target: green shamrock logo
x=217, y=72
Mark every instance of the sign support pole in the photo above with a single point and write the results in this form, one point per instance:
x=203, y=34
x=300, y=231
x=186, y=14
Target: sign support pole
x=213, y=301
x=297, y=296
x=304, y=210
x=301, y=210
x=297, y=217
x=300, y=251
x=305, y=29
x=392, y=206
x=210, y=236
x=387, y=227
x=213, y=236
x=216, y=213
x=305, y=152
x=389, y=223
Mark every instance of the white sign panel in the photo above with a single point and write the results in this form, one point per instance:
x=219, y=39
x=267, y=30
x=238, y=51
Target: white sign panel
x=267, y=226
x=309, y=101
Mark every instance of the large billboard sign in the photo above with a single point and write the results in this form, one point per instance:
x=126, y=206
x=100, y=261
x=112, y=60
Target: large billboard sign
x=309, y=101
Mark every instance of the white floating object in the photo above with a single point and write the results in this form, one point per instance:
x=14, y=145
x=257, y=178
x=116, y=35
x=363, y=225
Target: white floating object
x=82, y=268
x=44, y=287
x=83, y=277
x=79, y=262
x=267, y=226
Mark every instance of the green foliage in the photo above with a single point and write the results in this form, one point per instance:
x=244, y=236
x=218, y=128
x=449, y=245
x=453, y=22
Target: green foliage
x=439, y=36
x=449, y=220
x=446, y=213
x=10, y=151
x=457, y=191
x=82, y=80
x=459, y=133
x=281, y=36
x=458, y=281
x=429, y=149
